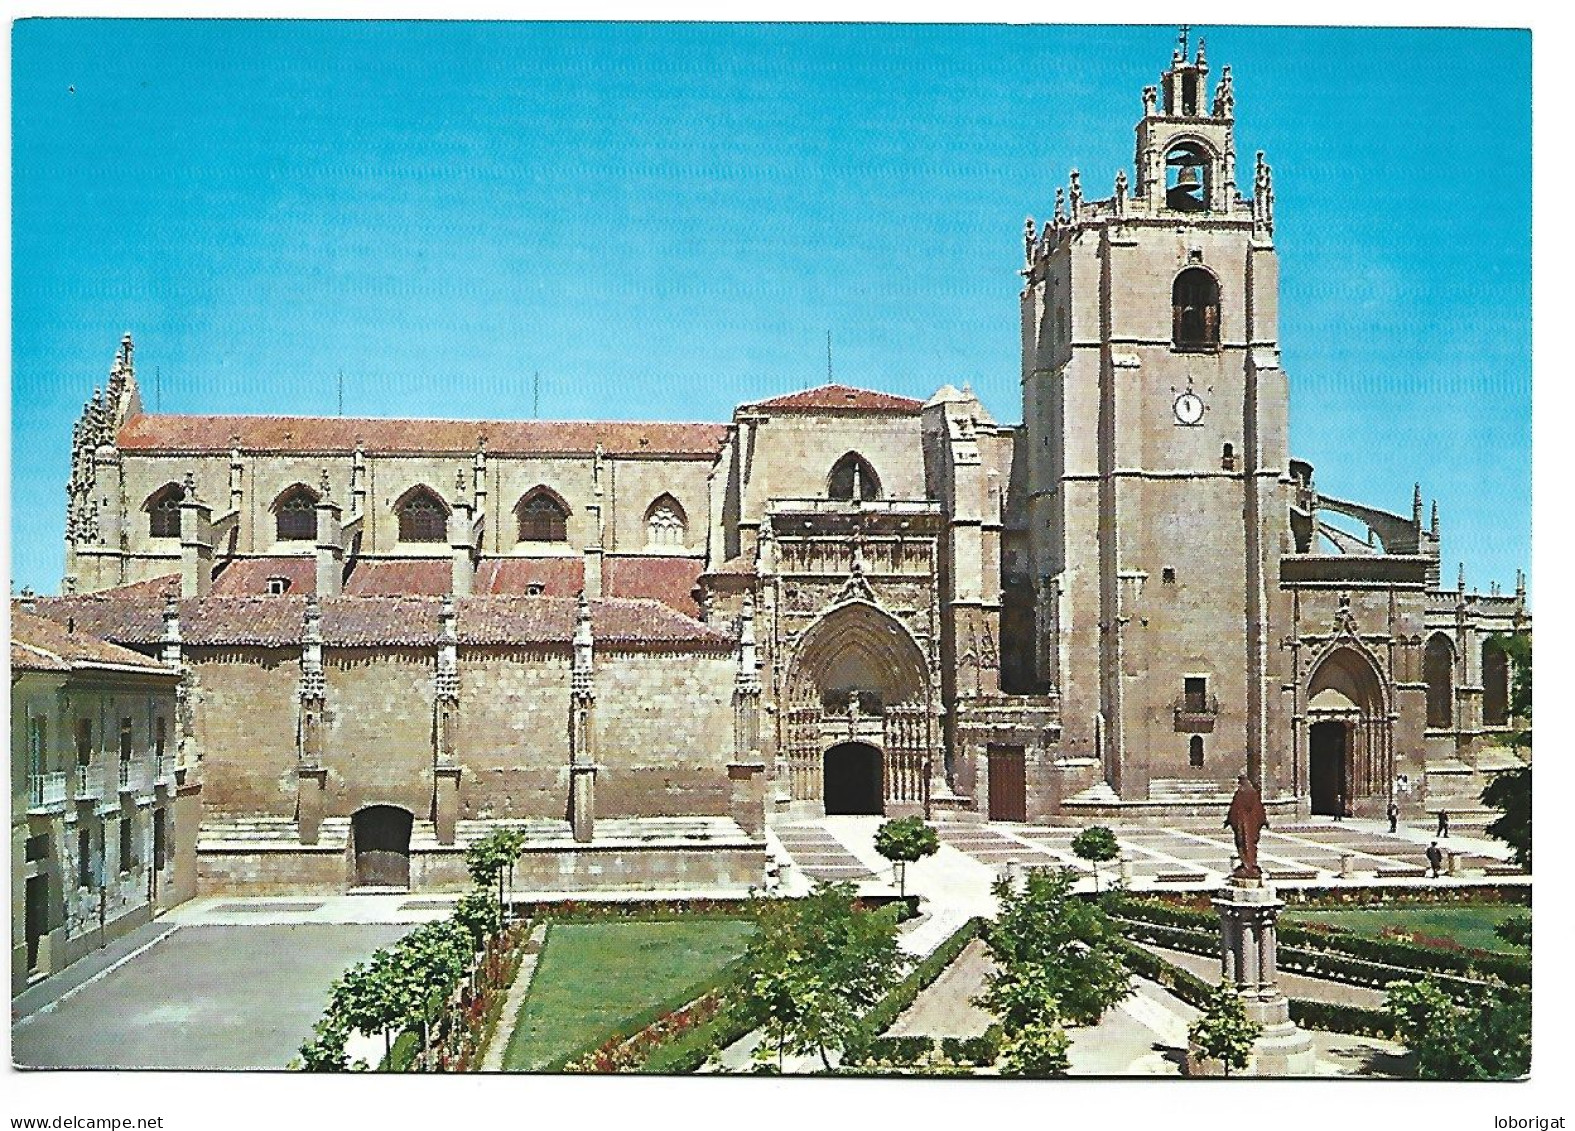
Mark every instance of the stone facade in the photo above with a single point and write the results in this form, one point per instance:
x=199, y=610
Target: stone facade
x=874, y=604
x=103, y=813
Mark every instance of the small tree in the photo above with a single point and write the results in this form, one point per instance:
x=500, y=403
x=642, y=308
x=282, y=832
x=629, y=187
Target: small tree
x=905, y=841
x=1096, y=845
x=489, y=858
x=1510, y=793
x=1225, y=1033
x=480, y=915
x=1484, y=1036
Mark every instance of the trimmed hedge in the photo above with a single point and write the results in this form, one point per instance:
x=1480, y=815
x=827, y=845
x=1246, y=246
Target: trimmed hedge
x=1313, y=948
x=979, y=1052
x=889, y=1008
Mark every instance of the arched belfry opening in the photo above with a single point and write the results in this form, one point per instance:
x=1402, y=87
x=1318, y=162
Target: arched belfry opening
x=857, y=713
x=1189, y=177
x=1195, y=310
x=1349, y=748
x=380, y=835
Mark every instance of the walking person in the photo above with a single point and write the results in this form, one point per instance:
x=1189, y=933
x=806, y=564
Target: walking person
x=1443, y=823
x=1339, y=806
x=1394, y=817
x=1435, y=858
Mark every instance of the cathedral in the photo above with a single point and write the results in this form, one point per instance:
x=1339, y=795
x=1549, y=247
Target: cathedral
x=643, y=642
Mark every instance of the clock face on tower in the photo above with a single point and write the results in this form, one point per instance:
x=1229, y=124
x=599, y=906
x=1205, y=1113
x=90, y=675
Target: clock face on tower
x=1188, y=408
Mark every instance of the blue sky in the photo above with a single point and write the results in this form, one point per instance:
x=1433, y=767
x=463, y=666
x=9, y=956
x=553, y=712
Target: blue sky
x=666, y=219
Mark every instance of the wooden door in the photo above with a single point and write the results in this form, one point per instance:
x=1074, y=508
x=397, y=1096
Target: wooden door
x=1008, y=784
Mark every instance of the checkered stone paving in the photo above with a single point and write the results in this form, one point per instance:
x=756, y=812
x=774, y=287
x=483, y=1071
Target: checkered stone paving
x=819, y=855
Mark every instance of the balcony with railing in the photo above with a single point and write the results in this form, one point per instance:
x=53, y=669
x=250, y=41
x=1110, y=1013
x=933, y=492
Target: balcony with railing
x=163, y=769
x=46, y=792
x=133, y=776
x=85, y=783
x=1195, y=714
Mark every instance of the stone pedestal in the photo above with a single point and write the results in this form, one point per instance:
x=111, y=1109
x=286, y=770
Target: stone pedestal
x=746, y=782
x=445, y=802
x=309, y=783
x=1249, y=912
x=582, y=801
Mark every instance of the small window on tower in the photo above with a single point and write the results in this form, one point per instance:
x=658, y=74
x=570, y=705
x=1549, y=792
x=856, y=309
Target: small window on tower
x=1228, y=457
x=1168, y=575
x=1195, y=752
x=1195, y=310
x=1196, y=690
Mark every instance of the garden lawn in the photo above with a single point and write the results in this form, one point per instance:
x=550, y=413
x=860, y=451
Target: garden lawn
x=597, y=979
x=1470, y=926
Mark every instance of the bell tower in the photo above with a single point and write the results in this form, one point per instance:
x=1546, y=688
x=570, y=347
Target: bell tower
x=1156, y=414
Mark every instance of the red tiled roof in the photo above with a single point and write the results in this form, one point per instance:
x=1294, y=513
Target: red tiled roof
x=152, y=432
x=840, y=397
x=410, y=621
x=668, y=580
x=42, y=644
x=558, y=577
x=242, y=577
x=431, y=577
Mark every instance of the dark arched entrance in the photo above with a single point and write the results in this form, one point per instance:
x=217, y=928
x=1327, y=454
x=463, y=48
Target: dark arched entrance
x=1326, y=767
x=381, y=835
x=853, y=780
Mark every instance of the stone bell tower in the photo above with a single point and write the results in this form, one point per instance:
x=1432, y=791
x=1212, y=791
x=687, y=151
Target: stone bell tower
x=1156, y=413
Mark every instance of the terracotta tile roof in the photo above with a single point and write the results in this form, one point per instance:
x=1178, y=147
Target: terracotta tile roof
x=242, y=577
x=668, y=580
x=42, y=644
x=432, y=577
x=151, y=432
x=843, y=398
x=410, y=621
x=558, y=577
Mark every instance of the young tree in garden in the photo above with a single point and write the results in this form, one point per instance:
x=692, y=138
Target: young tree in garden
x=1510, y=793
x=816, y=964
x=905, y=841
x=493, y=856
x=480, y=915
x=1037, y=1049
x=1072, y=939
x=1225, y=1033
x=1096, y=845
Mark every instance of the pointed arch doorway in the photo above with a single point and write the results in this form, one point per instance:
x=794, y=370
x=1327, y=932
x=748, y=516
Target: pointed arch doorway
x=1349, y=746
x=853, y=780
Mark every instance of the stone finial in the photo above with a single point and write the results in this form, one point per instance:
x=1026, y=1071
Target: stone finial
x=459, y=483
x=1060, y=205
x=1460, y=583
x=1520, y=583
x=1121, y=192
x=1202, y=57
x=1150, y=99
x=1029, y=239
x=1435, y=519
x=188, y=484
x=1225, y=95
x=1076, y=194
x=1416, y=507
x=1180, y=53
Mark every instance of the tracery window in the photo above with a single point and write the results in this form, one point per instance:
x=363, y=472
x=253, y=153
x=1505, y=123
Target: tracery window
x=164, y=512
x=295, y=515
x=422, y=517
x=852, y=479
x=1438, y=670
x=665, y=524
x=543, y=517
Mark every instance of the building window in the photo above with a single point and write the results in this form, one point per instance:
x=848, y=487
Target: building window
x=84, y=741
x=278, y=586
x=127, y=845
x=665, y=524
x=1195, y=752
x=37, y=745
x=1167, y=576
x=295, y=515
x=535, y=589
x=543, y=517
x=158, y=840
x=1495, y=685
x=125, y=740
x=163, y=509
x=1195, y=693
x=852, y=479
x=1228, y=457
x=422, y=517
x=1195, y=310
x=84, y=857
x=160, y=734
x=1438, y=670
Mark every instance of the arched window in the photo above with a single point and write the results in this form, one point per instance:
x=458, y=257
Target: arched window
x=163, y=508
x=295, y=515
x=1195, y=751
x=665, y=524
x=543, y=517
x=1495, y=684
x=1195, y=310
x=422, y=516
x=853, y=480
x=1438, y=670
